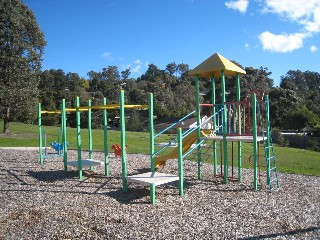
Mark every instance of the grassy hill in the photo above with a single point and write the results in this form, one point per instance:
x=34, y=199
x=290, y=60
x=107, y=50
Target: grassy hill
x=292, y=160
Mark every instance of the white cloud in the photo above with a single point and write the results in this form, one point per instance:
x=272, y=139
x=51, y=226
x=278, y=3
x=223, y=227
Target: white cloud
x=138, y=61
x=313, y=48
x=246, y=46
x=124, y=67
x=240, y=5
x=304, y=12
x=134, y=67
x=108, y=56
x=281, y=43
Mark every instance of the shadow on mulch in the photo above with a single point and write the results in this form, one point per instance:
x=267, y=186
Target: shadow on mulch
x=52, y=176
x=131, y=196
x=284, y=234
x=140, y=170
x=141, y=195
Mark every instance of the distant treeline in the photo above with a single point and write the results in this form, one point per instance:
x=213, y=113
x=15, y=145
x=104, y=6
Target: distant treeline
x=293, y=105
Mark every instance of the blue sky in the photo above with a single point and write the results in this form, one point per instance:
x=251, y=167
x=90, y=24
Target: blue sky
x=85, y=35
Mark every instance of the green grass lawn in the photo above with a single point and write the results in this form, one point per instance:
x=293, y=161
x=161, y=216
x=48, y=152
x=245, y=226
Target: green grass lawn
x=291, y=160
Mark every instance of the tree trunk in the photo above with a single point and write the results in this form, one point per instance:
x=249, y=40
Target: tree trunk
x=6, y=115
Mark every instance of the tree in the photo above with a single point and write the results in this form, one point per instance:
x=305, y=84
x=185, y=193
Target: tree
x=125, y=74
x=171, y=68
x=300, y=118
x=256, y=80
x=21, y=49
x=307, y=87
x=282, y=101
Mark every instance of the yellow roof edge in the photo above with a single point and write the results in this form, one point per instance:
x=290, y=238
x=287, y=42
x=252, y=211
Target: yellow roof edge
x=213, y=66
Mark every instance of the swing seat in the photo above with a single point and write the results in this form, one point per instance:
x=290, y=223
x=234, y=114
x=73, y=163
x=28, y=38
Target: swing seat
x=57, y=146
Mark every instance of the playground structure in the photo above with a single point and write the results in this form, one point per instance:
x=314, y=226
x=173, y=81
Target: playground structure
x=56, y=145
x=117, y=149
x=80, y=163
x=230, y=122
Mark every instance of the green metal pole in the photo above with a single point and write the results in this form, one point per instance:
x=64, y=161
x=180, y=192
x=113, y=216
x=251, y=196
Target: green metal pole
x=180, y=161
x=151, y=130
x=268, y=140
x=255, y=144
x=123, y=143
x=90, y=131
x=225, y=145
x=198, y=124
x=153, y=193
x=214, y=125
x=40, y=133
x=64, y=135
x=79, y=138
x=105, y=139
x=239, y=129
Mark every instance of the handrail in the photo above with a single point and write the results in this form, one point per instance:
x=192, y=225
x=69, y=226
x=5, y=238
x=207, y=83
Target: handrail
x=192, y=148
x=186, y=133
x=164, y=147
x=166, y=129
x=199, y=126
x=172, y=125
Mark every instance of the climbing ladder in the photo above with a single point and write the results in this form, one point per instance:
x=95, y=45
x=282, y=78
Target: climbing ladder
x=272, y=172
x=271, y=166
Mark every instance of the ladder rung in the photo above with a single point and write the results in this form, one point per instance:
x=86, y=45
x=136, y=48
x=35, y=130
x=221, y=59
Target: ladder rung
x=274, y=179
x=268, y=147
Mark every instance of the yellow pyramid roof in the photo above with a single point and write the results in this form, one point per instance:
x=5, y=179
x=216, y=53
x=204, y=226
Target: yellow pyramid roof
x=213, y=66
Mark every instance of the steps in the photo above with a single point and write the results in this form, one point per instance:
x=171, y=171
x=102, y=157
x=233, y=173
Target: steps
x=272, y=172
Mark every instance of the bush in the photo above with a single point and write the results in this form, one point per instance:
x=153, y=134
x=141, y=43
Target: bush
x=278, y=138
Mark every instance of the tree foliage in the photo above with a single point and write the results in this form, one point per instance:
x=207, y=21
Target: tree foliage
x=21, y=49
x=292, y=106
x=306, y=85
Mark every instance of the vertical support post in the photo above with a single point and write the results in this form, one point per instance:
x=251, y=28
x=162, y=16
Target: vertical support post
x=214, y=125
x=224, y=119
x=90, y=131
x=153, y=193
x=64, y=134
x=180, y=161
x=239, y=128
x=40, y=133
x=78, y=119
x=255, y=145
x=198, y=125
x=105, y=139
x=151, y=130
x=268, y=140
x=123, y=143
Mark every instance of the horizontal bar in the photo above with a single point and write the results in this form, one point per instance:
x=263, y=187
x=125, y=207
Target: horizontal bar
x=98, y=107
